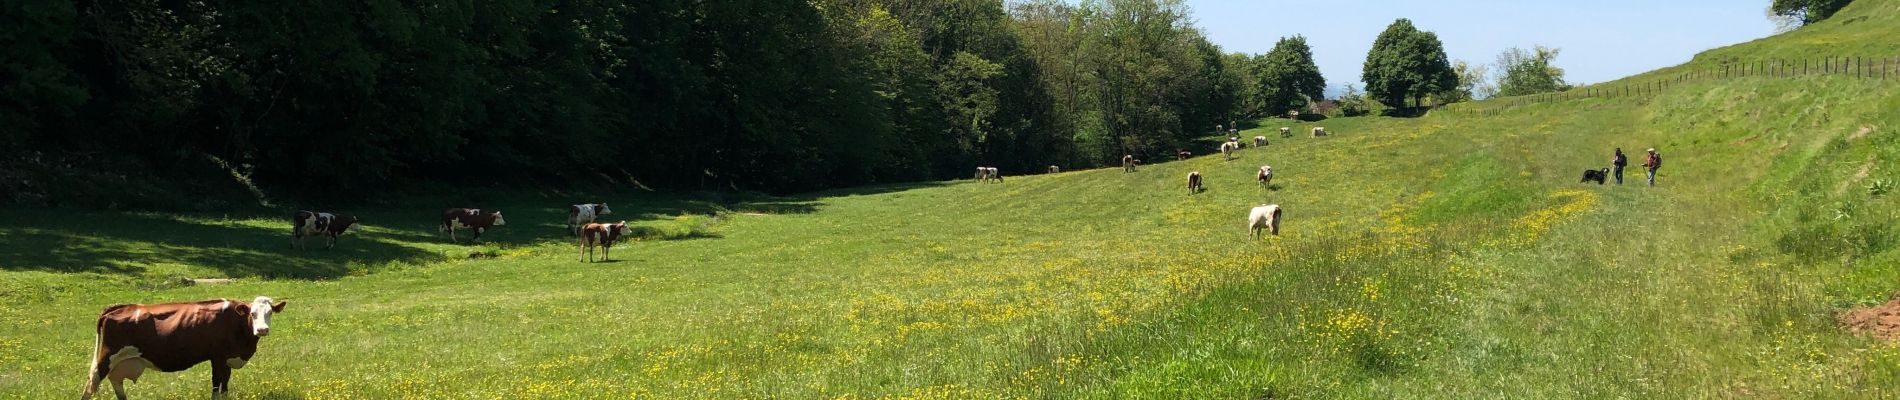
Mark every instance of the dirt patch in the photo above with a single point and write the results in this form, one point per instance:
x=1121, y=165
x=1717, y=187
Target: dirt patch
x=1745, y=141
x=1860, y=133
x=1865, y=170
x=1882, y=321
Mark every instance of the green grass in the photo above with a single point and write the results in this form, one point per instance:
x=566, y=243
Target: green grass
x=1451, y=256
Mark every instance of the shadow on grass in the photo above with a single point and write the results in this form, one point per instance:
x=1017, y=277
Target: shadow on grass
x=117, y=243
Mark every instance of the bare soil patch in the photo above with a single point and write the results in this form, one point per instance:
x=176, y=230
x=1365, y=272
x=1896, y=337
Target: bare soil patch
x=1861, y=133
x=1881, y=321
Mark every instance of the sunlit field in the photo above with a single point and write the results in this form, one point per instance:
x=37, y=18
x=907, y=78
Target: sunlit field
x=1445, y=256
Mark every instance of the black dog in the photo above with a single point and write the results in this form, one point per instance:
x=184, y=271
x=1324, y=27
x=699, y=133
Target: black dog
x=1595, y=175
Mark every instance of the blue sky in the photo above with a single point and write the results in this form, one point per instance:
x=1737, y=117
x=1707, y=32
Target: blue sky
x=1600, y=40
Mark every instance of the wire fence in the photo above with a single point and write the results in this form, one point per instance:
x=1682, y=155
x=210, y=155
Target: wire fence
x=1858, y=67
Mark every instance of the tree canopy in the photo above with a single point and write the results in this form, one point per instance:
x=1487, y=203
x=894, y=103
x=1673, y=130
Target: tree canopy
x=363, y=95
x=1806, y=11
x=1287, y=78
x=1529, y=72
x=1406, y=63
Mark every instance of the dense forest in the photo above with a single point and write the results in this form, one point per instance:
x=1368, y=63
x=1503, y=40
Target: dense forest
x=771, y=95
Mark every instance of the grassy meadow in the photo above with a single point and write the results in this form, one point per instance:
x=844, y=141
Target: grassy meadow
x=1446, y=256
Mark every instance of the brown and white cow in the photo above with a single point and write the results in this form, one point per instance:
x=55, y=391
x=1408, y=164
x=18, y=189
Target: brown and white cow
x=472, y=218
x=1194, y=182
x=312, y=223
x=1265, y=176
x=1182, y=155
x=1128, y=163
x=583, y=214
x=602, y=235
x=175, y=337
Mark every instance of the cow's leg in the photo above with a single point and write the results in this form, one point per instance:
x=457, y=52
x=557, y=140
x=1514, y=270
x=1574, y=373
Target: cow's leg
x=607, y=252
x=220, y=379
x=452, y=235
x=97, y=373
x=478, y=233
x=118, y=388
x=331, y=244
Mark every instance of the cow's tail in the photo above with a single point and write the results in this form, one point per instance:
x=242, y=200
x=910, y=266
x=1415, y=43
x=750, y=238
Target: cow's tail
x=93, y=373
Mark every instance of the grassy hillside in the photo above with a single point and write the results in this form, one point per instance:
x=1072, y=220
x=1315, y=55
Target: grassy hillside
x=1451, y=256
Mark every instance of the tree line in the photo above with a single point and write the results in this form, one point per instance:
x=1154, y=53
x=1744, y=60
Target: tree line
x=771, y=95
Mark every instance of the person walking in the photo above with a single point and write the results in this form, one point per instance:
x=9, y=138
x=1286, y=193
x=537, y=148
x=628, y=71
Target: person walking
x=1619, y=162
x=1651, y=164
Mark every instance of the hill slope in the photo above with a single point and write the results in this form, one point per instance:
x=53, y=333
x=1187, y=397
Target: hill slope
x=1451, y=256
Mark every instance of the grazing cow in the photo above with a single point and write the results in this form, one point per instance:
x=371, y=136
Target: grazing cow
x=1259, y=141
x=1227, y=149
x=311, y=223
x=1265, y=176
x=1595, y=175
x=602, y=235
x=1055, y=169
x=1319, y=131
x=991, y=173
x=582, y=214
x=1182, y=155
x=473, y=218
x=1128, y=163
x=175, y=337
x=1266, y=216
x=1194, y=182
x=1286, y=132
x=982, y=174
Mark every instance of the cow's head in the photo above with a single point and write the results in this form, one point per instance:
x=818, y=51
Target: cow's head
x=623, y=229
x=261, y=310
x=602, y=209
x=498, y=220
x=355, y=224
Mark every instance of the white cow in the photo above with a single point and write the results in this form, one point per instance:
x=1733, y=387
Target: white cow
x=1227, y=149
x=1259, y=141
x=1319, y=131
x=1266, y=216
x=1055, y=169
x=1286, y=132
x=1265, y=176
x=990, y=174
x=583, y=214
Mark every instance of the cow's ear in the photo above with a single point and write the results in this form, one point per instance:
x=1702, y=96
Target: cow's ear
x=279, y=307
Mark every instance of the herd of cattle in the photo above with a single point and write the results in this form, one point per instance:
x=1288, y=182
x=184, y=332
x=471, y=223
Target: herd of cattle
x=177, y=336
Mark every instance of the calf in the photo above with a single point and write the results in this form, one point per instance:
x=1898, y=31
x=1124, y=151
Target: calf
x=602, y=235
x=1266, y=216
x=472, y=218
x=582, y=214
x=1227, y=149
x=1319, y=131
x=1259, y=141
x=1265, y=176
x=992, y=174
x=1286, y=132
x=175, y=337
x=1055, y=169
x=1128, y=163
x=1182, y=155
x=1194, y=182
x=311, y=223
